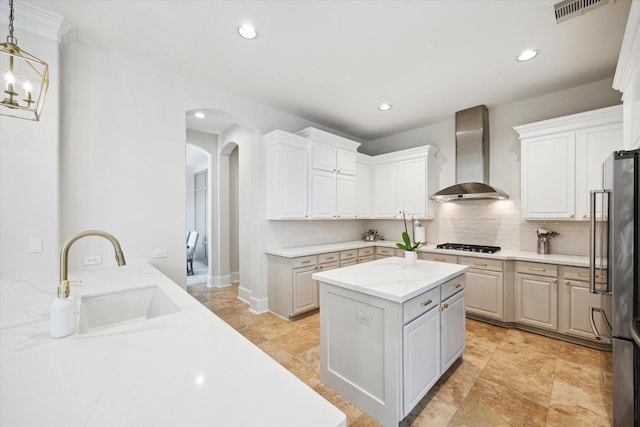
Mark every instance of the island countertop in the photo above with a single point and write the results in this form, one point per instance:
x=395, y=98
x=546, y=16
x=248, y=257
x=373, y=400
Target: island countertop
x=390, y=278
x=183, y=369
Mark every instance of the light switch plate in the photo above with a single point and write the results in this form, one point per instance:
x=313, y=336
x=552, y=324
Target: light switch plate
x=160, y=253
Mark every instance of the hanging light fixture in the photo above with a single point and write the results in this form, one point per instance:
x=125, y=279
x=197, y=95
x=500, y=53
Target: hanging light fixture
x=24, y=79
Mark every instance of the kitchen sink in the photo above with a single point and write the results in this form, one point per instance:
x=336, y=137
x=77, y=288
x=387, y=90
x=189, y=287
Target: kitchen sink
x=115, y=308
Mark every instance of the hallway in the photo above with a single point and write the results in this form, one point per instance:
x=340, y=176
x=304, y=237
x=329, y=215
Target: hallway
x=507, y=377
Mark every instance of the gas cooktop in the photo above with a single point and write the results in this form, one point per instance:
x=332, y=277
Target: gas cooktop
x=469, y=248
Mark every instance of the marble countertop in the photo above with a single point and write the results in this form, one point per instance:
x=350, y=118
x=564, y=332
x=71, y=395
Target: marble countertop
x=390, y=278
x=573, y=260
x=183, y=369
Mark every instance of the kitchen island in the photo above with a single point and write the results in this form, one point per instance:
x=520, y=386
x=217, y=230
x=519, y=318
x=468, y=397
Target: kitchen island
x=188, y=368
x=388, y=331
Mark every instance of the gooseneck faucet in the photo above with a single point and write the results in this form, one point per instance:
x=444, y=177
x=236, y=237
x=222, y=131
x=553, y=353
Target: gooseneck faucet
x=63, y=287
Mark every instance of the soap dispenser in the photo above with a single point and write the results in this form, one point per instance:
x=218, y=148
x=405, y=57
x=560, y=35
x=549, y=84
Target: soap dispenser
x=63, y=313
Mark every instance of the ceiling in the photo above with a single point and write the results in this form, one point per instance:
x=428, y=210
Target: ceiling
x=334, y=62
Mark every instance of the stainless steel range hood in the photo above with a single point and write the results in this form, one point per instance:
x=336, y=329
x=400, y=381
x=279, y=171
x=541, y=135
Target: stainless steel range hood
x=472, y=159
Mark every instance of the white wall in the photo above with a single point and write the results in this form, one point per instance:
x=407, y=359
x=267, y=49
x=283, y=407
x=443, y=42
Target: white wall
x=29, y=196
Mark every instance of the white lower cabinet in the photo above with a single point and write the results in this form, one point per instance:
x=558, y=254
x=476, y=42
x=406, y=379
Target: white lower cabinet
x=292, y=291
x=484, y=287
x=421, y=353
x=537, y=295
x=454, y=330
x=385, y=356
x=575, y=301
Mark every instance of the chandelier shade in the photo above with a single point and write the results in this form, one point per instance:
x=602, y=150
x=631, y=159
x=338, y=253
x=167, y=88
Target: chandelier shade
x=24, y=80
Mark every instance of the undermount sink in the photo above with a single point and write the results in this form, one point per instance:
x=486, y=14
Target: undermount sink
x=118, y=307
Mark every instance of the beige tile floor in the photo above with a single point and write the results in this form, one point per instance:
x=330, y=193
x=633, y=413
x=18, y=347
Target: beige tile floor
x=506, y=377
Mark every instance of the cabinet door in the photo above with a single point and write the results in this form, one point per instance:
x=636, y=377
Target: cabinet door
x=412, y=187
x=537, y=301
x=363, y=191
x=484, y=293
x=574, y=309
x=323, y=201
x=593, y=146
x=421, y=357
x=385, y=197
x=345, y=162
x=305, y=290
x=345, y=196
x=294, y=183
x=323, y=157
x=548, y=177
x=454, y=330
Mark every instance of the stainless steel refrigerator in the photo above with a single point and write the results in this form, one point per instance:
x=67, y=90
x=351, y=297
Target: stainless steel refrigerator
x=614, y=255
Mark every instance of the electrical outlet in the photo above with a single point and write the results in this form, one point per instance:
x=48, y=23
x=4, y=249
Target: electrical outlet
x=35, y=245
x=160, y=253
x=93, y=260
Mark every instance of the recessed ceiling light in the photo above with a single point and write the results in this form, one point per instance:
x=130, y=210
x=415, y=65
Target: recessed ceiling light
x=527, y=55
x=384, y=107
x=199, y=115
x=248, y=31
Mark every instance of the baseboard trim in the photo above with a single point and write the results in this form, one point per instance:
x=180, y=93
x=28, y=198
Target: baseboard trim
x=258, y=305
x=219, y=281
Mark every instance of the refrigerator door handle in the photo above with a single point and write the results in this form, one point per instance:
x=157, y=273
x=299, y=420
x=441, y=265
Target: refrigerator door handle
x=592, y=240
x=594, y=328
x=634, y=325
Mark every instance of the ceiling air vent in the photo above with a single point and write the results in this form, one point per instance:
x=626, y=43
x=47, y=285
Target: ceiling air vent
x=568, y=9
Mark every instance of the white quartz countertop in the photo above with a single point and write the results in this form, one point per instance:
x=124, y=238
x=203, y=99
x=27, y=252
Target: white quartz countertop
x=573, y=260
x=183, y=369
x=390, y=278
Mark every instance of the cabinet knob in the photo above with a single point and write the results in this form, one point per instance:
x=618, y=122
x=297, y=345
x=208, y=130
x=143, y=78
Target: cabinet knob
x=572, y=216
x=446, y=306
x=585, y=216
x=567, y=283
x=315, y=268
x=554, y=281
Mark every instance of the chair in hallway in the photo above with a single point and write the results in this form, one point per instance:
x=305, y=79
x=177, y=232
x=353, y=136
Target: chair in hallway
x=191, y=250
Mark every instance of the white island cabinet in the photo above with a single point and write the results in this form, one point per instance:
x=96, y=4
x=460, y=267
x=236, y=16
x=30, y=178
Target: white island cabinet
x=388, y=331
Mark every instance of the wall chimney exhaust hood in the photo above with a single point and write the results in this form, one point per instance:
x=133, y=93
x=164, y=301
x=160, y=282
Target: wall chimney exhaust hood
x=472, y=159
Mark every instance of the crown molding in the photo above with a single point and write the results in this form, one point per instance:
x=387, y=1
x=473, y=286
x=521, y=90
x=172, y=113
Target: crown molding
x=629, y=59
x=32, y=19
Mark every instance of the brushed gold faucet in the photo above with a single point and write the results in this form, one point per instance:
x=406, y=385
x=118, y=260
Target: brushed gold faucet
x=63, y=287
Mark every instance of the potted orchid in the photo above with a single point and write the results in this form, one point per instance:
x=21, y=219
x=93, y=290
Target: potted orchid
x=371, y=235
x=410, y=249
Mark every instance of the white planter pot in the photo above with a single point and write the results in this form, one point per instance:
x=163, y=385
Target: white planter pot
x=410, y=258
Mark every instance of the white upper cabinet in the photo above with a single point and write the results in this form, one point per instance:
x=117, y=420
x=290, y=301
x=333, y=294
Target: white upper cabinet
x=363, y=186
x=562, y=161
x=287, y=175
x=404, y=180
x=333, y=169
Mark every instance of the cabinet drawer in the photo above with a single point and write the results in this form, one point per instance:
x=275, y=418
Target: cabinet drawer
x=328, y=265
x=385, y=251
x=582, y=274
x=451, y=259
x=305, y=261
x=365, y=252
x=365, y=258
x=420, y=304
x=549, y=270
x=481, y=263
x=330, y=257
x=451, y=287
x=348, y=254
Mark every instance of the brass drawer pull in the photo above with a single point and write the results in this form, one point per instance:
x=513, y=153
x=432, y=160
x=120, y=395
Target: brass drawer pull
x=479, y=264
x=536, y=269
x=351, y=254
x=306, y=262
x=439, y=259
x=456, y=286
x=584, y=274
x=329, y=258
x=426, y=303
